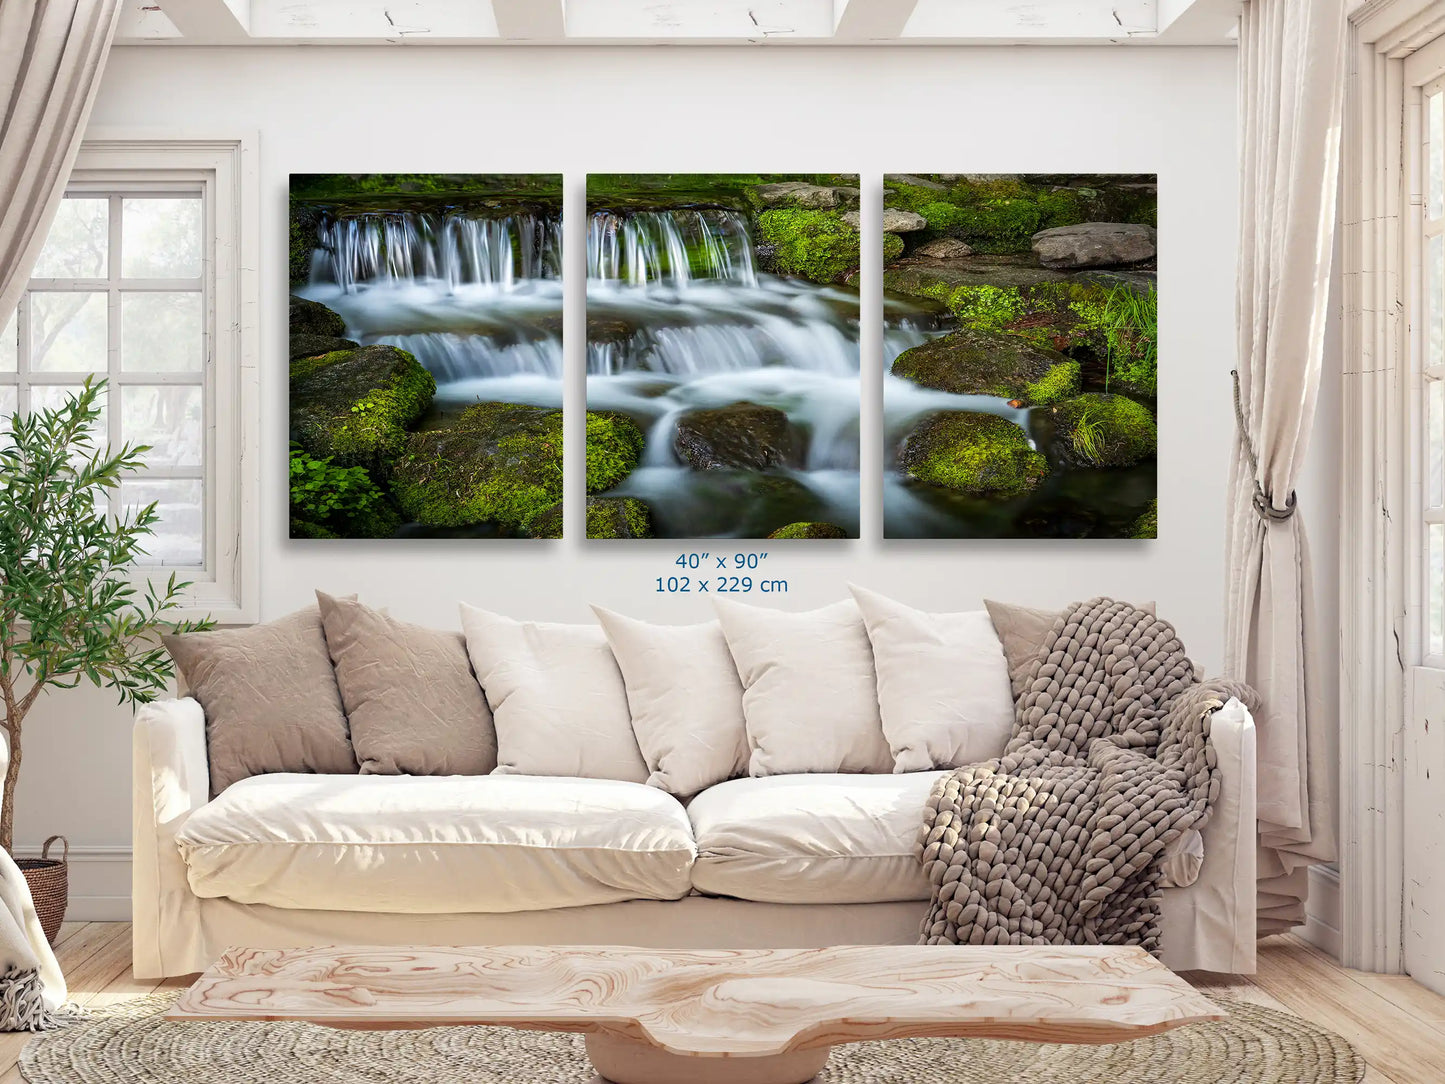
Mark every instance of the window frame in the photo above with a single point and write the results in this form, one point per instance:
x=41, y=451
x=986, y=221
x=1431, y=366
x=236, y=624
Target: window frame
x=226, y=587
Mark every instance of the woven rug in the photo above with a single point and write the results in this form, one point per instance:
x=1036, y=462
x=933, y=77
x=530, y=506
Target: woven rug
x=132, y=1044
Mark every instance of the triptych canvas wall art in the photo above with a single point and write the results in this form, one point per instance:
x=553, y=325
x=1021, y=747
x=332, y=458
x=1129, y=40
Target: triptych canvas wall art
x=722, y=349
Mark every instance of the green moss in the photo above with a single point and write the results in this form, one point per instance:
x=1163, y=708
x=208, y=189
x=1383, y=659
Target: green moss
x=974, y=362
x=356, y=405
x=815, y=245
x=973, y=453
x=301, y=528
x=1106, y=430
x=998, y=215
x=892, y=247
x=618, y=517
x=614, y=445
x=1147, y=525
x=495, y=463
x=1057, y=384
x=306, y=317
x=809, y=530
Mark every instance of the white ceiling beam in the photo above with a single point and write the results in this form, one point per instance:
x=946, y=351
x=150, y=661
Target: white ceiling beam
x=143, y=20
x=871, y=20
x=530, y=20
x=210, y=21
x=700, y=20
x=398, y=22
x=1198, y=22
x=1024, y=21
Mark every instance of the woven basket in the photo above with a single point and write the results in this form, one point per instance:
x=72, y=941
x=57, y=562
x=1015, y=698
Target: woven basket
x=49, y=885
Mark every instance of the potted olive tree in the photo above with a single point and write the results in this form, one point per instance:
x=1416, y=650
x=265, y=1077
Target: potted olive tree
x=69, y=609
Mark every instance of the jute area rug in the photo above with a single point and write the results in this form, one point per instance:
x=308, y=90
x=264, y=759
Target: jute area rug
x=132, y=1044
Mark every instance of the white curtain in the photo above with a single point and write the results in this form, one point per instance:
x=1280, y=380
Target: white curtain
x=1291, y=95
x=51, y=56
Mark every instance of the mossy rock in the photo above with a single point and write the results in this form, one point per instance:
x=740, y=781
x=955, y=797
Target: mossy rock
x=815, y=245
x=973, y=362
x=355, y=406
x=1097, y=430
x=1147, y=525
x=892, y=247
x=307, y=345
x=314, y=318
x=618, y=517
x=1056, y=385
x=938, y=279
x=305, y=218
x=493, y=463
x=614, y=445
x=972, y=453
x=801, y=194
x=809, y=530
x=301, y=528
x=743, y=434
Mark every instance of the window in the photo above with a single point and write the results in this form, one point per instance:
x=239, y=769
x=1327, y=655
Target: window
x=118, y=291
x=1429, y=347
x=142, y=281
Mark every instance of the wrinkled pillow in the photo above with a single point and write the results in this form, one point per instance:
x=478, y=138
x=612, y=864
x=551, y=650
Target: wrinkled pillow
x=1022, y=630
x=810, y=698
x=412, y=702
x=943, y=684
x=270, y=698
x=685, y=700
x=557, y=698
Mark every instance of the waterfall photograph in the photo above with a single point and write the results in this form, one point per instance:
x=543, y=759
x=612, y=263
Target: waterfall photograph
x=1020, y=356
x=722, y=334
x=426, y=357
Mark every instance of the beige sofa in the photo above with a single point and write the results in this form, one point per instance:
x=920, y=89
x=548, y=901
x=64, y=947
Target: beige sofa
x=783, y=861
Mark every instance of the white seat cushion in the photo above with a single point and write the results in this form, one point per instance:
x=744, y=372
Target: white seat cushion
x=812, y=838
x=437, y=844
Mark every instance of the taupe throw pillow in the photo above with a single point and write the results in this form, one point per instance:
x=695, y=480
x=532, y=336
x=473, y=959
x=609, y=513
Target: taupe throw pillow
x=1022, y=630
x=413, y=702
x=270, y=699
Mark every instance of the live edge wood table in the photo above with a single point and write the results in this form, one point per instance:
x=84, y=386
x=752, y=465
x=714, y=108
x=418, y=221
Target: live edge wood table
x=765, y=1016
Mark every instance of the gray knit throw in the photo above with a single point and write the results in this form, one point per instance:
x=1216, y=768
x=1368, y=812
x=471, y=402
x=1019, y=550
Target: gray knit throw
x=1059, y=841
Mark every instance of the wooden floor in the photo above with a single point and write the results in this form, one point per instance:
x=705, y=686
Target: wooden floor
x=1398, y=1025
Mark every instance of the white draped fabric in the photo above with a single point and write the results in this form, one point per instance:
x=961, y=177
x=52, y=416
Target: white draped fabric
x=51, y=55
x=1291, y=95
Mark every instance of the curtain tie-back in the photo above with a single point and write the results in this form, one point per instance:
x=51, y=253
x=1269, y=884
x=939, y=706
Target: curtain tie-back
x=1263, y=502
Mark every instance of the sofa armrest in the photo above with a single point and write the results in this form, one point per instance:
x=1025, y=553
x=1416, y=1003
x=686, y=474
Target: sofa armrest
x=1210, y=925
x=170, y=780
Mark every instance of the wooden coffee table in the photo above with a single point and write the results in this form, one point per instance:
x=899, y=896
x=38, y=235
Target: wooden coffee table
x=764, y=1016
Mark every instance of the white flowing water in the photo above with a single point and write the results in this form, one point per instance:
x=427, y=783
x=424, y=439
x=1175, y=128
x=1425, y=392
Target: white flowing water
x=679, y=318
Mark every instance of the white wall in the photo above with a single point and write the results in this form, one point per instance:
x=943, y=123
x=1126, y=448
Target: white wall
x=571, y=110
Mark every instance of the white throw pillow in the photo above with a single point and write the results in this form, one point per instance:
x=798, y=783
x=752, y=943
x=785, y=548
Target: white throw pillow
x=557, y=698
x=943, y=686
x=809, y=695
x=685, y=699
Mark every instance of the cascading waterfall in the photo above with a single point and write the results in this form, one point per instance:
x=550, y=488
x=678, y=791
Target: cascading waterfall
x=673, y=248
x=457, y=248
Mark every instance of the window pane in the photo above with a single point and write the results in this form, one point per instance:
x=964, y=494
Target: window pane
x=1435, y=444
x=160, y=238
x=68, y=332
x=10, y=344
x=8, y=399
x=166, y=417
x=177, y=535
x=161, y=333
x=78, y=244
x=53, y=396
x=1435, y=570
x=1436, y=183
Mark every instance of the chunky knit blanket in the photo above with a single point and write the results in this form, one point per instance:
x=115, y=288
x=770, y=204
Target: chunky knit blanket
x=1059, y=841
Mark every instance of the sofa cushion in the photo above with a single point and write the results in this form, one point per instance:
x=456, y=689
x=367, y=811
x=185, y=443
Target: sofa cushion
x=685, y=698
x=812, y=838
x=809, y=694
x=412, y=702
x=437, y=844
x=270, y=697
x=943, y=684
x=557, y=698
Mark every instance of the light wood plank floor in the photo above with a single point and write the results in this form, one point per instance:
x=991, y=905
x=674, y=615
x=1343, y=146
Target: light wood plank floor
x=1398, y=1025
